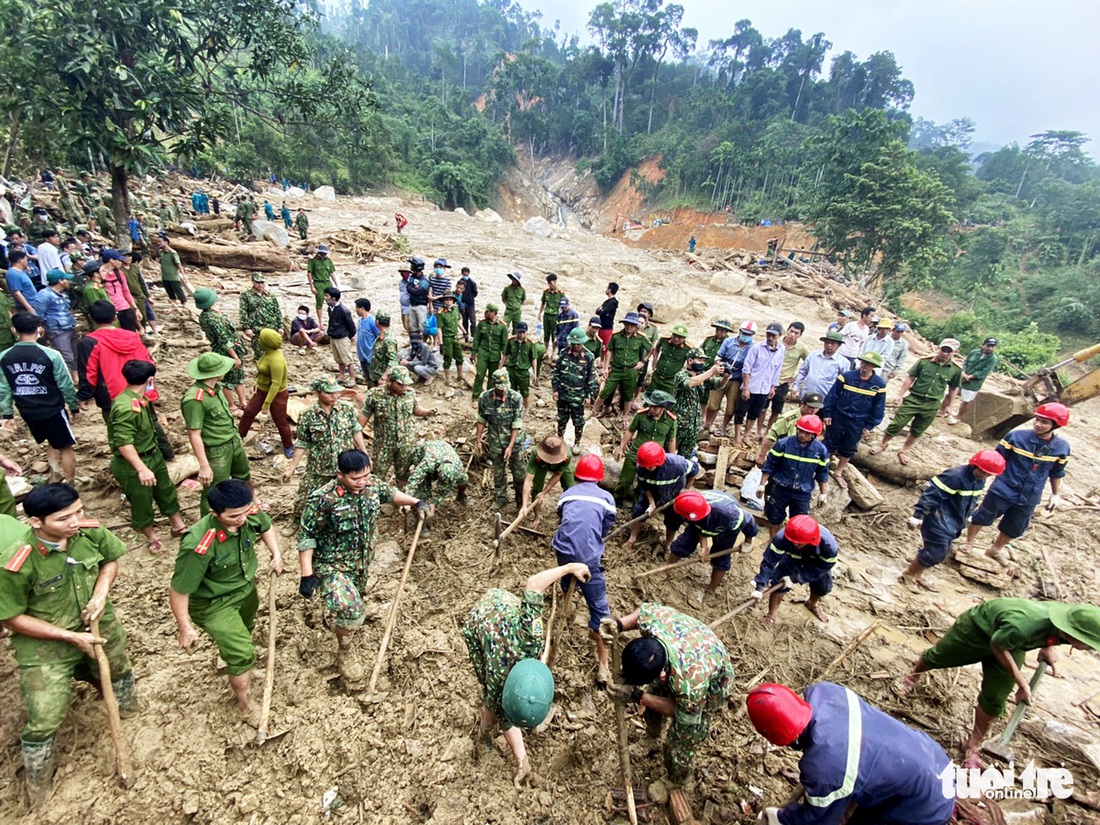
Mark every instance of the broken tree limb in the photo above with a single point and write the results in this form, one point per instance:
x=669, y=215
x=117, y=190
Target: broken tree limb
x=555, y=631
x=261, y=257
x=850, y=647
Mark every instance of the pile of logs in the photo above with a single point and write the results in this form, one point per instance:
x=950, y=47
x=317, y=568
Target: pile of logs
x=365, y=244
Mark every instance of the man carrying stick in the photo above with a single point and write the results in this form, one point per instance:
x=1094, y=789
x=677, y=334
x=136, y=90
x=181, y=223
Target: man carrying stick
x=714, y=522
x=587, y=515
x=54, y=583
x=661, y=477
x=687, y=675
x=503, y=634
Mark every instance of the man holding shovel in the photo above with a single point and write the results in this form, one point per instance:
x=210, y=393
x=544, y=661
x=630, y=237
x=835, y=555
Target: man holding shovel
x=997, y=634
x=662, y=476
x=214, y=583
x=54, y=584
x=714, y=521
x=504, y=636
x=687, y=675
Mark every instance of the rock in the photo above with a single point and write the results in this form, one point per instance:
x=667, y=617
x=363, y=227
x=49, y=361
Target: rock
x=657, y=792
x=190, y=805
x=271, y=231
x=460, y=211
x=294, y=192
x=863, y=492
x=489, y=216
x=324, y=193
x=539, y=227
x=727, y=281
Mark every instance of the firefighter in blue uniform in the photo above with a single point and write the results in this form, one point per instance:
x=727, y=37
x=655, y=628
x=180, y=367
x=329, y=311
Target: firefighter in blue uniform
x=714, y=522
x=803, y=552
x=857, y=763
x=855, y=405
x=661, y=477
x=792, y=466
x=943, y=509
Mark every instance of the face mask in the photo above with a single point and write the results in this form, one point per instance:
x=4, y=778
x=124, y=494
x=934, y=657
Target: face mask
x=438, y=271
x=745, y=339
x=303, y=315
x=697, y=367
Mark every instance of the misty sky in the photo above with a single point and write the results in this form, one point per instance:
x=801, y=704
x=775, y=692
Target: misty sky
x=1014, y=67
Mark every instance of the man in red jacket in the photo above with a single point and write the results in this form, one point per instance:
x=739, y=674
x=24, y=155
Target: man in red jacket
x=99, y=358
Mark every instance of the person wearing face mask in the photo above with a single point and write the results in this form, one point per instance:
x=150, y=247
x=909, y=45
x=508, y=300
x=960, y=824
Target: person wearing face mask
x=439, y=284
x=731, y=354
x=304, y=329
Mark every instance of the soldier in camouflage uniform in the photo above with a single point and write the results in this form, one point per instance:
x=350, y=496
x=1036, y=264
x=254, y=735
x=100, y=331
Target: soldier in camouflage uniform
x=501, y=630
x=690, y=388
x=435, y=463
x=520, y=354
x=336, y=542
x=102, y=218
x=678, y=658
x=384, y=356
x=500, y=416
x=325, y=430
x=654, y=422
x=55, y=576
x=392, y=408
x=490, y=336
x=224, y=340
x=259, y=310
x=575, y=383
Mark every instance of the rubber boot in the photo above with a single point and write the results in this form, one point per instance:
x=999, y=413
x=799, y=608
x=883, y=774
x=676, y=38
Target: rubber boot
x=38, y=768
x=124, y=695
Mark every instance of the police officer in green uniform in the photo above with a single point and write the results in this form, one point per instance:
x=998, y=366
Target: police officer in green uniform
x=669, y=356
x=214, y=583
x=210, y=426
x=499, y=434
x=655, y=422
x=592, y=341
x=549, y=307
x=547, y=465
x=513, y=297
x=490, y=336
x=321, y=271
x=710, y=345
x=520, y=354
x=137, y=462
x=54, y=583
x=622, y=363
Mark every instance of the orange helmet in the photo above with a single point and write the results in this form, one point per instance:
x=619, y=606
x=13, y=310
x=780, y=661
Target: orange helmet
x=810, y=424
x=651, y=455
x=589, y=468
x=778, y=713
x=989, y=461
x=1058, y=413
x=803, y=530
x=691, y=505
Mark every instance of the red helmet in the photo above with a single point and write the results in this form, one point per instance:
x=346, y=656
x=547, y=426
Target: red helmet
x=1058, y=413
x=989, y=461
x=803, y=530
x=589, y=468
x=691, y=505
x=810, y=424
x=651, y=455
x=778, y=713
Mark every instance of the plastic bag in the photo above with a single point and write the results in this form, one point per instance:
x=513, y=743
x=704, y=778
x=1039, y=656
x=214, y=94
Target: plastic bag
x=749, y=487
x=431, y=326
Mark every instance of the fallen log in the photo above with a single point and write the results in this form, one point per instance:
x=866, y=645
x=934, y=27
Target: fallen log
x=863, y=492
x=261, y=257
x=213, y=225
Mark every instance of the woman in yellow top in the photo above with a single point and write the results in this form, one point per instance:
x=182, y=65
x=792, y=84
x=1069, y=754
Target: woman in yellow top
x=271, y=394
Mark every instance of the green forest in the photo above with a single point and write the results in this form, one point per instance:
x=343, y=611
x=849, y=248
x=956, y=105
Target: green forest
x=433, y=96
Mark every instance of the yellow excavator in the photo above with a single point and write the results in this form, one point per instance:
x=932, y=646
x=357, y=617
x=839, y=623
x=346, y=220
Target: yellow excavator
x=995, y=413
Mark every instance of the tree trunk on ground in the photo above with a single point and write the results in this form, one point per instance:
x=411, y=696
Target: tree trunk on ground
x=120, y=206
x=259, y=256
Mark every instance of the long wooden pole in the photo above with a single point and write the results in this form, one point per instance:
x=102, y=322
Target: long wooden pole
x=664, y=568
x=745, y=605
x=391, y=620
x=634, y=521
x=555, y=631
x=624, y=742
x=114, y=720
x=269, y=677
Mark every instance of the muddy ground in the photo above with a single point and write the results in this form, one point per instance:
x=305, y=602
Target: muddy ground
x=407, y=755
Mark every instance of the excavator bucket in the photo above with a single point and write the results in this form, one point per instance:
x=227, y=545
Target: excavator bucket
x=994, y=414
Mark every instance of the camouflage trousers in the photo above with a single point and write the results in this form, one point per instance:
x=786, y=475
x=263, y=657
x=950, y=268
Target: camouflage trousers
x=47, y=687
x=570, y=409
x=343, y=595
x=445, y=478
x=385, y=455
x=310, y=482
x=517, y=464
x=684, y=739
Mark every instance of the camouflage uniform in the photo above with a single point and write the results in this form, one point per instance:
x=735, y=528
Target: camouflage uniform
x=574, y=380
x=383, y=357
x=521, y=356
x=130, y=423
x=700, y=676
x=489, y=340
x=392, y=416
x=104, y=218
x=500, y=417
x=689, y=410
x=325, y=435
x=501, y=630
x=260, y=312
x=54, y=585
x=217, y=570
x=435, y=461
x=222, y=335
x=338, y=527
x=645, y=428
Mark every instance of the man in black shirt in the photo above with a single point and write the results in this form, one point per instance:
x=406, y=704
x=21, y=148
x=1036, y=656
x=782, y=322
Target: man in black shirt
x=607, y=312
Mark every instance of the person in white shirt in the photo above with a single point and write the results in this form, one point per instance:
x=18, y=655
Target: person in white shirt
x=49, y=256
x=855, y=333
x=894, y=361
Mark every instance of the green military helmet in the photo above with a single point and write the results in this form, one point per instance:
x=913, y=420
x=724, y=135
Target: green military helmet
x=492, y=308
x=658, y=398
x=528, y=693
x=1080, y=621
x=680, y=330
x=500, y=378
x=205, y=297
x=871, y=358
x=382, y=318
x=722, y=323
x=577, y=336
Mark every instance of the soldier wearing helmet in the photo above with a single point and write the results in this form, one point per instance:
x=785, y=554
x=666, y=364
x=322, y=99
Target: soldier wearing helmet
x=1032, y=456
x=943, y=508
x=714, y=521
x=803, y=552
x=503, y=634
x=792, y=466
x=587, y=514
x=661, y=477
x=854, y=761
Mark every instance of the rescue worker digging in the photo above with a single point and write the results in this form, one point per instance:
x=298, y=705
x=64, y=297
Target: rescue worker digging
x=662, y=476
x=714, y=520
x=802, y=552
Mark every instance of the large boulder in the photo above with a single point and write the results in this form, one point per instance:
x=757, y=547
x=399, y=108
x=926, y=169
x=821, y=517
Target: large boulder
x=489, y=216
x=271, y=231
x=295, y=192
x=539, y=227
x=324, y=193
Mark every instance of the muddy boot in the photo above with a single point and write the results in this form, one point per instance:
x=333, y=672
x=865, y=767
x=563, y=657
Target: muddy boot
x=124, y=694
x=38, y=769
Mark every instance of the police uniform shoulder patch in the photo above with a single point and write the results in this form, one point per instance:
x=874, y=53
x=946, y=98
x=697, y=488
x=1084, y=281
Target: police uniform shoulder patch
x=87, y=523
x=198, y=395
x=340, y=490
x=135, y=405
x=254, y=509
x=16, y=561
x=206, y=541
